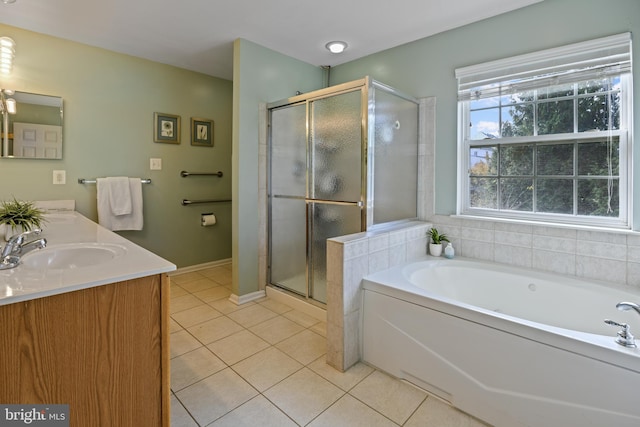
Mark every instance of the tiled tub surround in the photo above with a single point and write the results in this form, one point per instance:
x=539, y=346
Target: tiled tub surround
x=349, y=259
x=606, y=256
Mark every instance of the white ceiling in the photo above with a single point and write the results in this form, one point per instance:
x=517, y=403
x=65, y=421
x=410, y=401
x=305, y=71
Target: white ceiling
x=198, y=34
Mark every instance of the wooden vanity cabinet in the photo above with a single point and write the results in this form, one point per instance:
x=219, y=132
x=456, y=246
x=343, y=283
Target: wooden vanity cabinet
x=103, y=350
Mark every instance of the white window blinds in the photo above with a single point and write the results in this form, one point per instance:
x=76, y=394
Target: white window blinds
x=594, y=59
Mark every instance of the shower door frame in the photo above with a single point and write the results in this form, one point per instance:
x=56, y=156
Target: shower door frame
x=361, y=85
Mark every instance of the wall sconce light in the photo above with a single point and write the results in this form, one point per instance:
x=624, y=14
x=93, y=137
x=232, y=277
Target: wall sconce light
x=7, y=105
x=7, y=55
x=336, y=46
x=11, y=106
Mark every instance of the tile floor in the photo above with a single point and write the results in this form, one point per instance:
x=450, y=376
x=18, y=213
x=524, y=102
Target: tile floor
x=263, y=364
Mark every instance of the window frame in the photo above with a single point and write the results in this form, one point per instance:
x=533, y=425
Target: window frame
x=625, y=173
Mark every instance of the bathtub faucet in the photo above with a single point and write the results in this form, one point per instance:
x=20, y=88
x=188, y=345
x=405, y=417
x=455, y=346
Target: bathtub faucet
x=626, y=306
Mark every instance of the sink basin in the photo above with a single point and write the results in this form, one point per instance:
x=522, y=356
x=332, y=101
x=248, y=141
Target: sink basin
x=75, y=255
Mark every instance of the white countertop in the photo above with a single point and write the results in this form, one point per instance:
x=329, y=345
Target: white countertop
x=26, y=283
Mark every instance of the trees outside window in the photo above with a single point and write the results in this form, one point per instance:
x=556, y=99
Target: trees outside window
x=548, y=143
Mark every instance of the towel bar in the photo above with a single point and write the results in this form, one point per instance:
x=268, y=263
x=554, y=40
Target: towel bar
x=93, y=181
x=185, y=174
x=186, y=202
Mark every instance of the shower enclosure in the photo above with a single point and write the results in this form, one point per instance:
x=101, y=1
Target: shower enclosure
x=341, y=160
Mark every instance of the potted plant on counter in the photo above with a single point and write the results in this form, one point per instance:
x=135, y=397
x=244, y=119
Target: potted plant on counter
x=435, y=241
x=17, y=217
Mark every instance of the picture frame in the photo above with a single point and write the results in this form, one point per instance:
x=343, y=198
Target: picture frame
x=201, y=132
x=166, y=128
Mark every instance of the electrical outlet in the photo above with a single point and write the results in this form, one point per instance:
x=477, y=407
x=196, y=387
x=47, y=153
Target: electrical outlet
x=155, y=164
x=59, y=177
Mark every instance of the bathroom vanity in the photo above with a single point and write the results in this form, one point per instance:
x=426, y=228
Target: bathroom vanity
x=85, y=323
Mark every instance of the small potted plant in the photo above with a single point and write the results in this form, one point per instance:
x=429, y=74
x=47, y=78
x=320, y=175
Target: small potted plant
x=17, y=217
x=435, y=241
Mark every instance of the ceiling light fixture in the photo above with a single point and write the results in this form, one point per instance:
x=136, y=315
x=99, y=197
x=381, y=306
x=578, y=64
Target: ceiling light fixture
x=336, y=46
x=7, y=54
x=8, y=1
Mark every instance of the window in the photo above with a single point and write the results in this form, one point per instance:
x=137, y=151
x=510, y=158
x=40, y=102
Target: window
x=544, y=136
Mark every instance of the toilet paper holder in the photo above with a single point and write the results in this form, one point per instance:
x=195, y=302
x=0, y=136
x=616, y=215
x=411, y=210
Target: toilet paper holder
x=207, y=219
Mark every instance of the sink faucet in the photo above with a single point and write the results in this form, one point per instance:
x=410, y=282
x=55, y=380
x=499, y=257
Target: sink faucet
x=16, y=246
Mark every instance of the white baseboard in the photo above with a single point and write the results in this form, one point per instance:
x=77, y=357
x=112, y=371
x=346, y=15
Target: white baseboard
x=296, y=303
x=243, y=299
x=203, y=266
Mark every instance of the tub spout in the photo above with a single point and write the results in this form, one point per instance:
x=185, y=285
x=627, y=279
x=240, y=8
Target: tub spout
x=626, y=306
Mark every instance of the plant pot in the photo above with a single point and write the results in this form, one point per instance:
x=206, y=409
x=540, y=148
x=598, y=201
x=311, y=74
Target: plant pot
x=435, y=249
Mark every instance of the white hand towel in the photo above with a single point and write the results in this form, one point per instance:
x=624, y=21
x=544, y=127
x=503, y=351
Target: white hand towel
x=106, y=217
x=119, y=195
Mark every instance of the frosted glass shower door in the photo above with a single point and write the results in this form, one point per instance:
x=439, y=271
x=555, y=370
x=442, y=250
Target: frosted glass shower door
x=328, y=220
x=335, y=188
x=288, y=222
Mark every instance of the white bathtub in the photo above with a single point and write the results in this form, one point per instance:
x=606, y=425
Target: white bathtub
x=513, y=347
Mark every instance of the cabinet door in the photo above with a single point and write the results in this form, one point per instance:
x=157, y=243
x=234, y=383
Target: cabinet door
x=100, y=350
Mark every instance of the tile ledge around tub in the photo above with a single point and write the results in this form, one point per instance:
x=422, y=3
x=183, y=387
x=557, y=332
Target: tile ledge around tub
x=543, y=224
x=378, y=231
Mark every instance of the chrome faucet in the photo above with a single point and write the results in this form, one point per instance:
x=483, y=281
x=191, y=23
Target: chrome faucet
x=624, y=337
x=626, y=306
x=16, y=247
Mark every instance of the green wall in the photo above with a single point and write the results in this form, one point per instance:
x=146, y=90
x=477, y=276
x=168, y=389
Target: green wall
x=109, y=101
x=260, y=75
x=426, y=67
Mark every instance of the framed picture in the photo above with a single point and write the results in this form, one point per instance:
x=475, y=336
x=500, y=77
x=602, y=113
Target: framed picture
x=201, y=132
x=166, y=128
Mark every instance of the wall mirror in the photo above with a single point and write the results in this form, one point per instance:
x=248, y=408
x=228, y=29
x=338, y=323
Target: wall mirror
x=31, y=125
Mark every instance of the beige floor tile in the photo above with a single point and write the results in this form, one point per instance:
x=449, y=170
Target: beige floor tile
x=274, y=305
x=276, y=329
x=179, y=416
x=177, y=291
x=301, y=318
x=350, y=412
x=434, y=412
x=225, y=306
x=303, y=395
x=266, y=368
x=183, y=302
x=213, y=294
x=238, y=346
x=195, y=315
x=214, y=329
x=190, y=367
x=256, y=412
x=215, y=396
x=320, y=328
x=182, y=342
x=252, y=315
x=345, y=380
x=389, y=396
x=174, y=326
x=199, y=285
x=185, y=277
x=220, y=274
x=305, y=346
